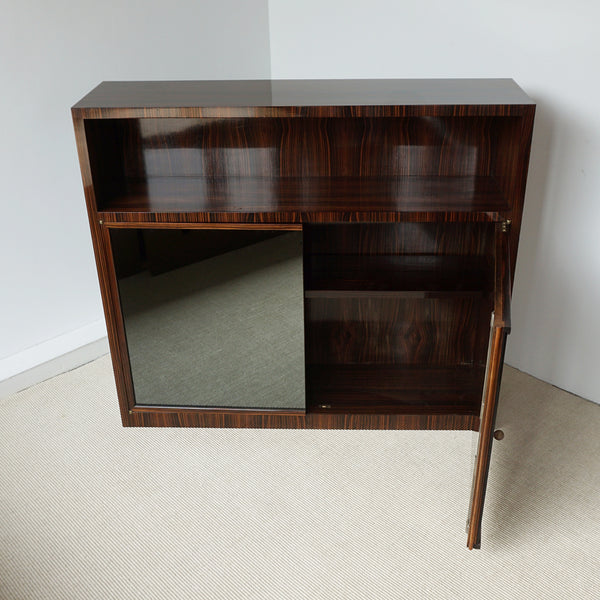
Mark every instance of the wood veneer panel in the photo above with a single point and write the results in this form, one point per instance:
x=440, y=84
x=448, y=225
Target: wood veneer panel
x=309, y=147
x=513, y=150
x=394, y=330
x=502, y=280
x=486, y=430
x=389, y=389
x=291, y=220
x=303, y=98
x=107, y=280
x=298, y=195
x=152, y=417
x=393, y=272
x=408, y=238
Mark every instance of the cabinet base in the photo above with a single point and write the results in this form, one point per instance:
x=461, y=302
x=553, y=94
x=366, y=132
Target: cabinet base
x=163, y=417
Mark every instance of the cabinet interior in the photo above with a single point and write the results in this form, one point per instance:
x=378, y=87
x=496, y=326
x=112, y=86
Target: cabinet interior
x=395, y=320
x=397, y=316
x=407, y=164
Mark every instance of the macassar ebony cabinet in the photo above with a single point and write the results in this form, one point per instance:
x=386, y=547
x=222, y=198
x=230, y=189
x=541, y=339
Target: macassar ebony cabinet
x=308, y=254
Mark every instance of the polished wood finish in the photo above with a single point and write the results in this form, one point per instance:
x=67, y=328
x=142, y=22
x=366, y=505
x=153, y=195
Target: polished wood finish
x=304, y=199
x=395, y=273
x=392, y=330
x=502, y=286
x=491, y=389
x=409, y=195
x=205, y=220
x=387, y=389
x=303, y=98
x=143, y=416
x=486, y=434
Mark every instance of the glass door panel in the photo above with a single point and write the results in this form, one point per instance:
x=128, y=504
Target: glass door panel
x=213, y=318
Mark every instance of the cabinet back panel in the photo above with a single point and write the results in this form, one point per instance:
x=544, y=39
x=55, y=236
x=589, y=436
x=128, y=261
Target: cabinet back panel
x=399, y=331
x=458, y=239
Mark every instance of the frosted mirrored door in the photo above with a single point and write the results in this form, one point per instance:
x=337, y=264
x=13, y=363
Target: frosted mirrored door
x=213, y=318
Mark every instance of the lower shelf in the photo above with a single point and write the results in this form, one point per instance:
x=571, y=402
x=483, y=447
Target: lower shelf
x=357, y=397
x=389, y=389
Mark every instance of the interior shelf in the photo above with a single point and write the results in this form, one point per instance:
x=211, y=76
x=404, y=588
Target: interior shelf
x=392, y=389
x=403, y=275
x=428, y=194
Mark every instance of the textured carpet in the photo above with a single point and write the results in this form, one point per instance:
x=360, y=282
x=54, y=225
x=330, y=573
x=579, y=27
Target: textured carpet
x=91, y=510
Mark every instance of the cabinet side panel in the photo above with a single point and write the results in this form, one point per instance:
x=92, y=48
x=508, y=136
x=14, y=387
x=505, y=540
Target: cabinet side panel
x=118, y=348
x=510, y=168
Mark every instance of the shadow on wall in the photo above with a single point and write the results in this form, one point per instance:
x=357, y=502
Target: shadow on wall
x=541, y=302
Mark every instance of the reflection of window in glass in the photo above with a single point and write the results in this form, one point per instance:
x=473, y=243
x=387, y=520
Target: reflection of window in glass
x=415, y=160
x=210, y=162
x=153, y=127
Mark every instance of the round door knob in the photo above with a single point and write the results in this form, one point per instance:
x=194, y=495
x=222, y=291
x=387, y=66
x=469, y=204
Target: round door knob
x=499, y=434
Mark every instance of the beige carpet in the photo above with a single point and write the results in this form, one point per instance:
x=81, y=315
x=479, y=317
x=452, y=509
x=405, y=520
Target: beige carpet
x=91, y=510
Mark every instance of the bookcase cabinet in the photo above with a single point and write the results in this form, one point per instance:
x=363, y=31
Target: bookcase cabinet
x=319, y=254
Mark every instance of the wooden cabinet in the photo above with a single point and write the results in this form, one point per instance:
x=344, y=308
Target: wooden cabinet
x=320, y=254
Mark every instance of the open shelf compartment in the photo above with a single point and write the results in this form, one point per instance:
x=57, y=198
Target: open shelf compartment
x=330, y=275
x=302, y=169
x=397, y=317
x=390, y=389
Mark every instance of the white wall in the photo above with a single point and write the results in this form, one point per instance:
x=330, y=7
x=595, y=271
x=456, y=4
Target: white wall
x=552, y=50
x=51, y=54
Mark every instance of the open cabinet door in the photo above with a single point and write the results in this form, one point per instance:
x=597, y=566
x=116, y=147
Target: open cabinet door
x=500, y=328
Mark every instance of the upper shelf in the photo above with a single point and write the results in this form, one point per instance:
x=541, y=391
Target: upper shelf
x=306, y=199
x=305, y=98
x=363, y=150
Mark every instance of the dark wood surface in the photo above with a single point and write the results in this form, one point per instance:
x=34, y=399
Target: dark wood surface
x=394, y=330
x=388, y=389
x=491, y=389
x=411, y=239
x=306, y=194
x=107, y=280
x=502, y=279
x=308, y=147
x=425, y=273
x=491, y=392
x=415, y=294
x=337, y=97
x=142, y=416
x=232, y=219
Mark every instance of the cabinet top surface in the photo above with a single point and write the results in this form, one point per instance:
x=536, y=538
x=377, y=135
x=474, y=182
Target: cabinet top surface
x=289, y=94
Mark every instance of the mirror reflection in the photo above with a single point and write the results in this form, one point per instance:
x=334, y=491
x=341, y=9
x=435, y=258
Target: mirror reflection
x=213, y=318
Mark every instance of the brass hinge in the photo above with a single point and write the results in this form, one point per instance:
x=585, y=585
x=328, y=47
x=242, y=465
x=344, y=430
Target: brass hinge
x=506, y=225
